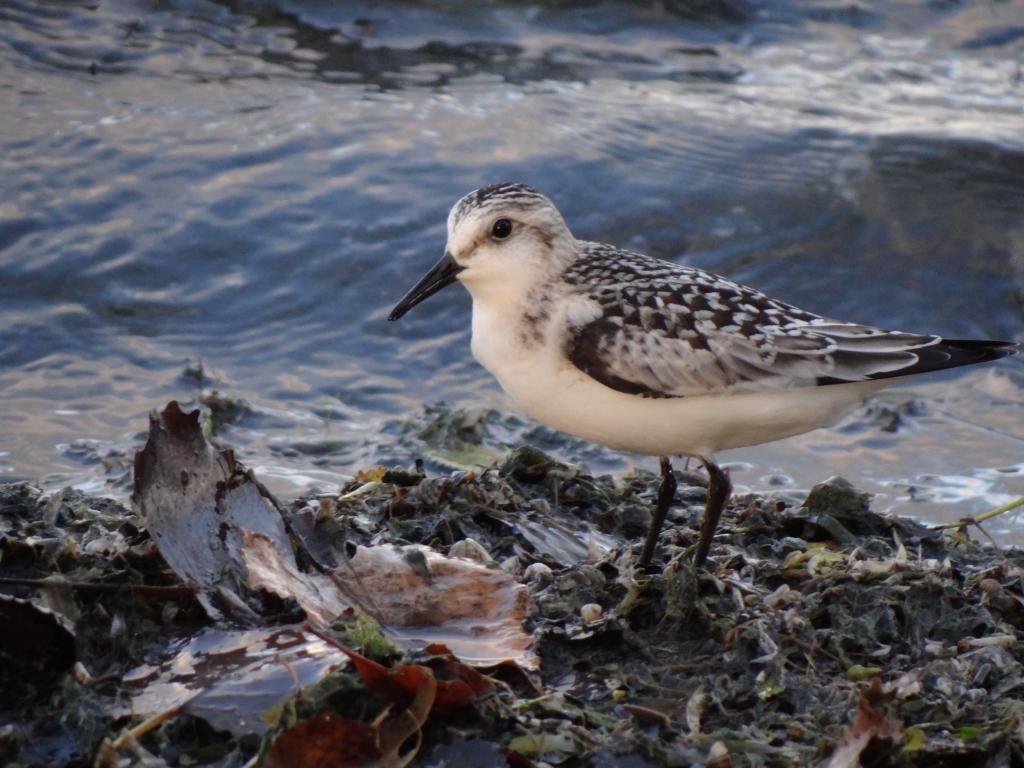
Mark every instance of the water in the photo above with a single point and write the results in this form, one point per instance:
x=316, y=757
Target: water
x=253, y=185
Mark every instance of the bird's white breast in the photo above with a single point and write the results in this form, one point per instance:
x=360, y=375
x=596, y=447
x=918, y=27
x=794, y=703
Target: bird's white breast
x=542, y=382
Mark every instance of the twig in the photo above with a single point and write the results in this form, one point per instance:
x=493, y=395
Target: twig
x=974, y=520
x=177, y=592
x=308, y=627
x=134, y=734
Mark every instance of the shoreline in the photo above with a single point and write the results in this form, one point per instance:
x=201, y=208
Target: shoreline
x=808, y=615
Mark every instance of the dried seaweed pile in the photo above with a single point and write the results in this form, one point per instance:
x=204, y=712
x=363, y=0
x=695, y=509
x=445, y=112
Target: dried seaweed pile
x=822, y=634
x=769, y=653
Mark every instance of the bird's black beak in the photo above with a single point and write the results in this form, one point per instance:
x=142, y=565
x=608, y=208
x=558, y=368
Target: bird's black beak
x=440, y=276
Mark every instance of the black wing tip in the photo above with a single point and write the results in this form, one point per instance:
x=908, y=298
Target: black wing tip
x=1013, y=346
x=946, y=353
x=971, y=351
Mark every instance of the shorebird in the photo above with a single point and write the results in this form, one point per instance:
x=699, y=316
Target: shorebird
x=644, y=355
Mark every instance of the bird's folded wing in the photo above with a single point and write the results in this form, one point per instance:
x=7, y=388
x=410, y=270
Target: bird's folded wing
x=678, y=339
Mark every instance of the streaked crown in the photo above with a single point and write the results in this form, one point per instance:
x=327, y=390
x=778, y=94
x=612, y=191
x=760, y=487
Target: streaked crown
x=497, y=197
x=528, y=212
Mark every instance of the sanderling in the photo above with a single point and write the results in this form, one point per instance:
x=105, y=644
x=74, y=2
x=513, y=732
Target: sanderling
x=644, y=355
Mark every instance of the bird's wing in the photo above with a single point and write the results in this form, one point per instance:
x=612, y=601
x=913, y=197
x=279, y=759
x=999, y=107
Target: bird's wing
x=686, y=332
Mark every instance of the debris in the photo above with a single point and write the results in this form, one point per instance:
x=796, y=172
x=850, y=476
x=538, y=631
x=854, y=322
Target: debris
x=206, y=515
x=458, y=685
x=37, y=646
x=313, y=632
x=871, y=733
x=420, y=597
x=330, y=740
x=233, y=678
x=470, y=549
x=219, y=529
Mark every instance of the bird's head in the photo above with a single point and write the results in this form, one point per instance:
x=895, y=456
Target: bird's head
x=500, y=238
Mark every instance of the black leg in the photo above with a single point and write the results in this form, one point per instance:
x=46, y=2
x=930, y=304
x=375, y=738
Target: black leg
x=719, y=489
x=666, y=492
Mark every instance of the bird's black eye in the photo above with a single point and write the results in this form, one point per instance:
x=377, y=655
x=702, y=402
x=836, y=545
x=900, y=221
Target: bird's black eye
x=502, y=228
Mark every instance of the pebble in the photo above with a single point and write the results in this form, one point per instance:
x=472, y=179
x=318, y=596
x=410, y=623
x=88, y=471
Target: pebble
x=539, y=573
x=590, y=612
x=471, y=549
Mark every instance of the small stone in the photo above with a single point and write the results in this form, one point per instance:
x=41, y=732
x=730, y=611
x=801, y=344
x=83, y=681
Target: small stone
x=511, y=565
x=632, y=520
x=538, y=573
x=527, y=464
x=990, y=586
x=692, y=494
x=593, y=576
x=470, y=549
x=837, y=497
x=590, y=612
x=571, y=582
x=718, y=756
x=81, y=674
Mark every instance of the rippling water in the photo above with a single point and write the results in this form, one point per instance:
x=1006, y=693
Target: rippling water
x=252, y=185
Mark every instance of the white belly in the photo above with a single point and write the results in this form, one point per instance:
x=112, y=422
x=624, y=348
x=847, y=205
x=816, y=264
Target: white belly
x=550, y=389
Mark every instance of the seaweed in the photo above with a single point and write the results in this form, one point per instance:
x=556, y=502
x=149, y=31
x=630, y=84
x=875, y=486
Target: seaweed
x=824, y=633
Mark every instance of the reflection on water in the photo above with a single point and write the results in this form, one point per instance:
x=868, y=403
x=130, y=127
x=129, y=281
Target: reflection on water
x=253, y=185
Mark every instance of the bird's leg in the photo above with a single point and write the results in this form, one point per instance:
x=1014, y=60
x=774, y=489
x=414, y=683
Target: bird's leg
x=666, y=492
x=719, y=488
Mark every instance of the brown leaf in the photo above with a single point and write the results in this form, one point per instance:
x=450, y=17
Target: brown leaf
x=457, y=685
x=325, y=741
x=395, y=731
x=198, y=504
x=330, y=741
x=871, y=733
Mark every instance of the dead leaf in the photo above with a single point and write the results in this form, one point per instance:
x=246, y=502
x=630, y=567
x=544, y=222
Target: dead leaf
x=232, y=678
x=395, y=731
x=422, y=597
x=331, y=741
x=220, y=530
x=41, y=649
x=325, y=741
x=871, y=731
x=196, y=502
x=269, y=567
x=457, y=684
